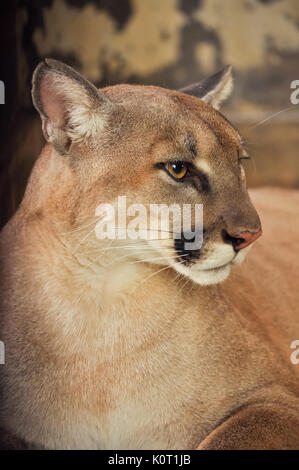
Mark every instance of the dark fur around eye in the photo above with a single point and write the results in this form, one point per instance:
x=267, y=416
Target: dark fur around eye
x=193, y=176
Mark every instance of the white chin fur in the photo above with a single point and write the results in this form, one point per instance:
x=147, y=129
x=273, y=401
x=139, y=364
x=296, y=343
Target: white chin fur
x=208, y=276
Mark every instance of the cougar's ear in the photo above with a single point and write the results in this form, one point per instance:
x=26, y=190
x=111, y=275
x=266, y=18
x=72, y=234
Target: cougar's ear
x=71, y=108
x=214, y=89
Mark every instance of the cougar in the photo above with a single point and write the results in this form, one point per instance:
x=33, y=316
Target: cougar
x=145, y=343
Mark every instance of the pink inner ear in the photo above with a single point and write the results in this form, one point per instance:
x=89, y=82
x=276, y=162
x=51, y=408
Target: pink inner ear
x=53, y=103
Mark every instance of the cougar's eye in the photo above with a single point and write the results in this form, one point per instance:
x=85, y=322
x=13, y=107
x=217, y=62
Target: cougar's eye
x=177, y=170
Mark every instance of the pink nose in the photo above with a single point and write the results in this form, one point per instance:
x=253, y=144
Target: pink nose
x=244, y=239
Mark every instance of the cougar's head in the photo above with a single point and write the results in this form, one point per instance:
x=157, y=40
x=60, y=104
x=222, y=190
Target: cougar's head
x=155, y=147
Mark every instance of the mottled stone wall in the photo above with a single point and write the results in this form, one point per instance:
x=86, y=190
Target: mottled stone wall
x=169, y=43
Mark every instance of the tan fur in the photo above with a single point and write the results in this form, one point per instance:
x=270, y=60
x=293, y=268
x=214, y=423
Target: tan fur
x=103, y=353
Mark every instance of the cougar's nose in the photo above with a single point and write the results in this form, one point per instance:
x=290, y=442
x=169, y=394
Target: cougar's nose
x=242, y=239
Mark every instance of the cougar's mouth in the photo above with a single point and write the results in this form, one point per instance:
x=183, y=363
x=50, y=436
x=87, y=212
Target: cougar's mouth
x=218, y=268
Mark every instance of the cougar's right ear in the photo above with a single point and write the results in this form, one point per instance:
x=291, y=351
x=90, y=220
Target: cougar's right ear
x=71, y=108
x=213, y=89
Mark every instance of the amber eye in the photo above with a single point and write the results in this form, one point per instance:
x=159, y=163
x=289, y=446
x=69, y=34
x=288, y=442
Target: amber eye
x=177, y=170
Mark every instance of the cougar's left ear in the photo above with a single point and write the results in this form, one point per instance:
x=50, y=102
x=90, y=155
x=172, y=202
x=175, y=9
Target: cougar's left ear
x=70, y=107
x=214, y=89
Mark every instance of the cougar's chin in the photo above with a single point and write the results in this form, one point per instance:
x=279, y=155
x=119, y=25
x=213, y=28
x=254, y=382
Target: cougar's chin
x=206, y=277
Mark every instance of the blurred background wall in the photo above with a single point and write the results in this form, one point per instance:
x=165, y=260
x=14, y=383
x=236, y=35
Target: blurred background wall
x=163, y=42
